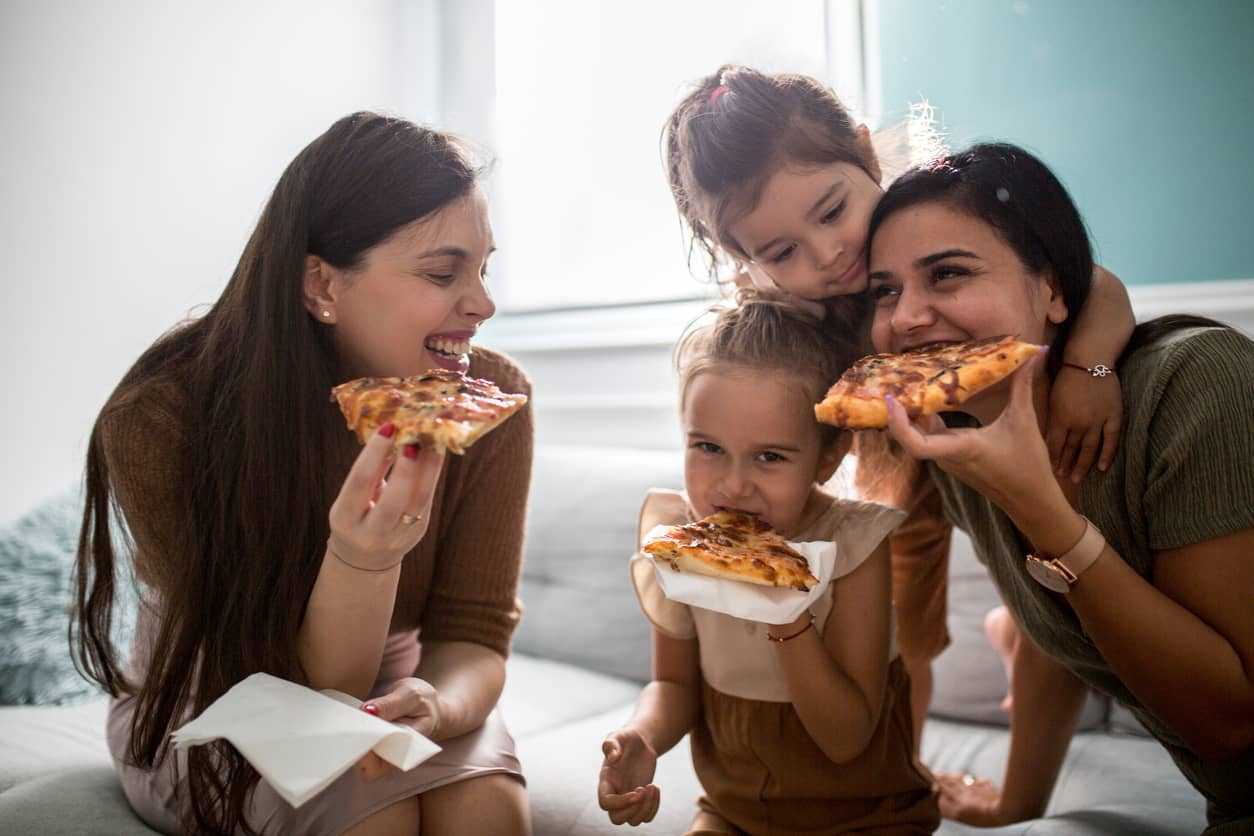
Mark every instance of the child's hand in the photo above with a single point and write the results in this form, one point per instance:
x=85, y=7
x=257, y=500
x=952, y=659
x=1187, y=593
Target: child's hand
x=1085, y=416
x=624, y=790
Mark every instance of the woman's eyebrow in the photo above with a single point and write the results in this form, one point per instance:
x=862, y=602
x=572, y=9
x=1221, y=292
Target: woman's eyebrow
x=929, y=260
x=455, y=252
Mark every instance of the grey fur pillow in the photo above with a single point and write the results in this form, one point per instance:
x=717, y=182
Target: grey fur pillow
x=36, y=571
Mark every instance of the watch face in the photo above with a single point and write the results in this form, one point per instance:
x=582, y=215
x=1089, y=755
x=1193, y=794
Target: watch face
x=1046, y=575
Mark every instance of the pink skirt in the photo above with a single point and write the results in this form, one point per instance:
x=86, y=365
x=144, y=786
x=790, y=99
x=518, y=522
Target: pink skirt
x=154, y=794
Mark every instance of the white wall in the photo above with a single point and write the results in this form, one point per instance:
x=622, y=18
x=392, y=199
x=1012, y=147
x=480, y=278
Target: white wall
x=138, y=143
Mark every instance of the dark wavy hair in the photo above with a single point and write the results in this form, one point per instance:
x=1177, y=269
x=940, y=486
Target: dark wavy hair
x=254, y=489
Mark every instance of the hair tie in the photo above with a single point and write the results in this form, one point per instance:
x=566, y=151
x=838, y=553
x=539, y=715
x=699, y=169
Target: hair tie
x=718, y=91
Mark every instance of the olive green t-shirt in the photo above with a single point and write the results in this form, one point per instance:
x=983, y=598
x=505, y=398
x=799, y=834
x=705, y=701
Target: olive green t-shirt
x=1184, y=473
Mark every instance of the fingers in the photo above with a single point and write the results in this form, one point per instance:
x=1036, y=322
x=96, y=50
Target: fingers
x=363, y=478
x=905, y=432
x=1023, y=379
x=633, y=808
x=612, y=749
x=1087, y=454
x=1110, y=444
x=1067, y=458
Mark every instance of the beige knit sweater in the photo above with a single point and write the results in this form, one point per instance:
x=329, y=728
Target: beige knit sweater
x=458, y=584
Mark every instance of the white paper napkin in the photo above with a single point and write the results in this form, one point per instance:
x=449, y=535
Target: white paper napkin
x=751, y=602
x=299, y=739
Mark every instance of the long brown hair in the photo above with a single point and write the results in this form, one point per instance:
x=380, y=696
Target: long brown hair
x=262, y=452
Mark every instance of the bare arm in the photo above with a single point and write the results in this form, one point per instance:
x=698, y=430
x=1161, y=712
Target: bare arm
x=346, y=620
x=467, y=679
x=668, y=706
x=1104, y=324
x=1043, y=716
x=837, y=681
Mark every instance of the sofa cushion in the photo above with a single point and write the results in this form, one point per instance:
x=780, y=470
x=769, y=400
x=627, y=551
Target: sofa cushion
x=76, y=801
x=541, y=694
x=578, y=605
x=40, y=740
x=1108, y=784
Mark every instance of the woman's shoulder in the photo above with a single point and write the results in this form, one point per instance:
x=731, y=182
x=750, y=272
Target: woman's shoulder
x=1221, y=349
x=143, y=413
x=499, y=368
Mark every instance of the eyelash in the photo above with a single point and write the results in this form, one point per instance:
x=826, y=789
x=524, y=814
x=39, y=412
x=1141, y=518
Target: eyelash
x=830, y=217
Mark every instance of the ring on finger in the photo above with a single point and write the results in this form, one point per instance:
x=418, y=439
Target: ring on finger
x=410, y=519
x=968, y=779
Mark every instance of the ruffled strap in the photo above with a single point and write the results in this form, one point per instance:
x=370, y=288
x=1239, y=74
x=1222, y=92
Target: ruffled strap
x=660, y=507
x=857, y=527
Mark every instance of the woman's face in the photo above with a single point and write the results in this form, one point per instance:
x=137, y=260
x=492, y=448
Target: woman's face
x=419, y=297
x=807, y=233
x=939, y=275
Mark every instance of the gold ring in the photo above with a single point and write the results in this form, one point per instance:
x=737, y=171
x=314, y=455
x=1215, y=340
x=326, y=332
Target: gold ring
x=968, y=779
x=410, y=519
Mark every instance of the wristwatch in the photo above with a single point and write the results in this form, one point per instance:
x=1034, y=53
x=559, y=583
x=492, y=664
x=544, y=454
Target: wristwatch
x=1059, y=574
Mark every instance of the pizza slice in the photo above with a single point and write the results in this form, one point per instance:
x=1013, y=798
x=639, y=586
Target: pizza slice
x=438, y=410
x=925, y=381
x=734, y=546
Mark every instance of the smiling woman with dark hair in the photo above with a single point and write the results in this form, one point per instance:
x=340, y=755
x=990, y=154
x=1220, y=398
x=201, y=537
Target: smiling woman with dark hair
x=265, y=539
x=1140, y=579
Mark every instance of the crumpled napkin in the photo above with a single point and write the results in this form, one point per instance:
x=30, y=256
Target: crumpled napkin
x=299, y=739
x=767, y=604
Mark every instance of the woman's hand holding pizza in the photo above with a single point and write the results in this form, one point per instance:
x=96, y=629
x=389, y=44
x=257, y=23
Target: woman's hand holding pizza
x=375, y=520
x=412, y=702
x=624, y=789
x=1006, y=460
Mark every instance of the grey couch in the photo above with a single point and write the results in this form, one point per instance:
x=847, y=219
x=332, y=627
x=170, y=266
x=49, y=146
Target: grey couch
x=580, y=657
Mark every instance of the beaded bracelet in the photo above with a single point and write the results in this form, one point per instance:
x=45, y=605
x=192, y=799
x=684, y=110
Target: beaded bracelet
x=1100, y=370
x=782, y=639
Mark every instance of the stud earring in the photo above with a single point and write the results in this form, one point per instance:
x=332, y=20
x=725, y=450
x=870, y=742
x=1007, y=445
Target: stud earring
x=326, y=314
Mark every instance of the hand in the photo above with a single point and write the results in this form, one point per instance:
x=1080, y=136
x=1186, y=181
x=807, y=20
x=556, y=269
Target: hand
x=1085, y=415
x=971, y=800
x=371, y=517
x=412, y=702
x=1005, y=461
x=624, y=790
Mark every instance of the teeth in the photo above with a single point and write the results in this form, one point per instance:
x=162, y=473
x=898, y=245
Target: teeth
x=453, y=348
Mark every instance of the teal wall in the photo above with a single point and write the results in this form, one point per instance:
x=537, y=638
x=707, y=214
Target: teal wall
x=1144, y=109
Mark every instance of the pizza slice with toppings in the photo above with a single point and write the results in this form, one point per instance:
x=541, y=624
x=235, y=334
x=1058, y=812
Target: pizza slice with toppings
x=925, y=381
x=438, y=410
x=734, y=546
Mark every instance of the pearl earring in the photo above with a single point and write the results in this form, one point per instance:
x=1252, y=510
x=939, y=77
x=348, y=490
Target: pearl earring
x=326, y=314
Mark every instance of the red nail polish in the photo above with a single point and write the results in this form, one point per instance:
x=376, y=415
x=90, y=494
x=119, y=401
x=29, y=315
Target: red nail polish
x=411, y=451
x=387, y=429
x=370, y=709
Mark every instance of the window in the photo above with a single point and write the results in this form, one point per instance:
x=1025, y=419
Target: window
x=581, y=206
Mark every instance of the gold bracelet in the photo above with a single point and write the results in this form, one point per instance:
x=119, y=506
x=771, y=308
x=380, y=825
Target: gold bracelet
x=332, y=552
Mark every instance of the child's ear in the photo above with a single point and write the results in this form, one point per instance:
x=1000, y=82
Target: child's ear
x=833, y=454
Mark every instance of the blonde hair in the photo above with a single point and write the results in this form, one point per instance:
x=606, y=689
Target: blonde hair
x=768, y=334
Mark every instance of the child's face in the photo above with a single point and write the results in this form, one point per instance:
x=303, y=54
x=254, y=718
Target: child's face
x=807, y=233
x=752, y=445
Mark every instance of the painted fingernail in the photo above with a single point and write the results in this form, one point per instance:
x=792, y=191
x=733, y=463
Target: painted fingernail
x=411, y=451
x=370, y=709
x=387, y=429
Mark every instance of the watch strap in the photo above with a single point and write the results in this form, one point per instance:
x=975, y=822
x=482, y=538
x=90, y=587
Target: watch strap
x=1083, y=554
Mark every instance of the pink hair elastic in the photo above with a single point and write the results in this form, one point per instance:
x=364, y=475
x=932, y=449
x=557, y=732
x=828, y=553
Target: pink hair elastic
x=718, y=91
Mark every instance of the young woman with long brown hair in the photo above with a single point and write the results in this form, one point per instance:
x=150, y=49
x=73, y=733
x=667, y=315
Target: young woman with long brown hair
x=264, y=539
